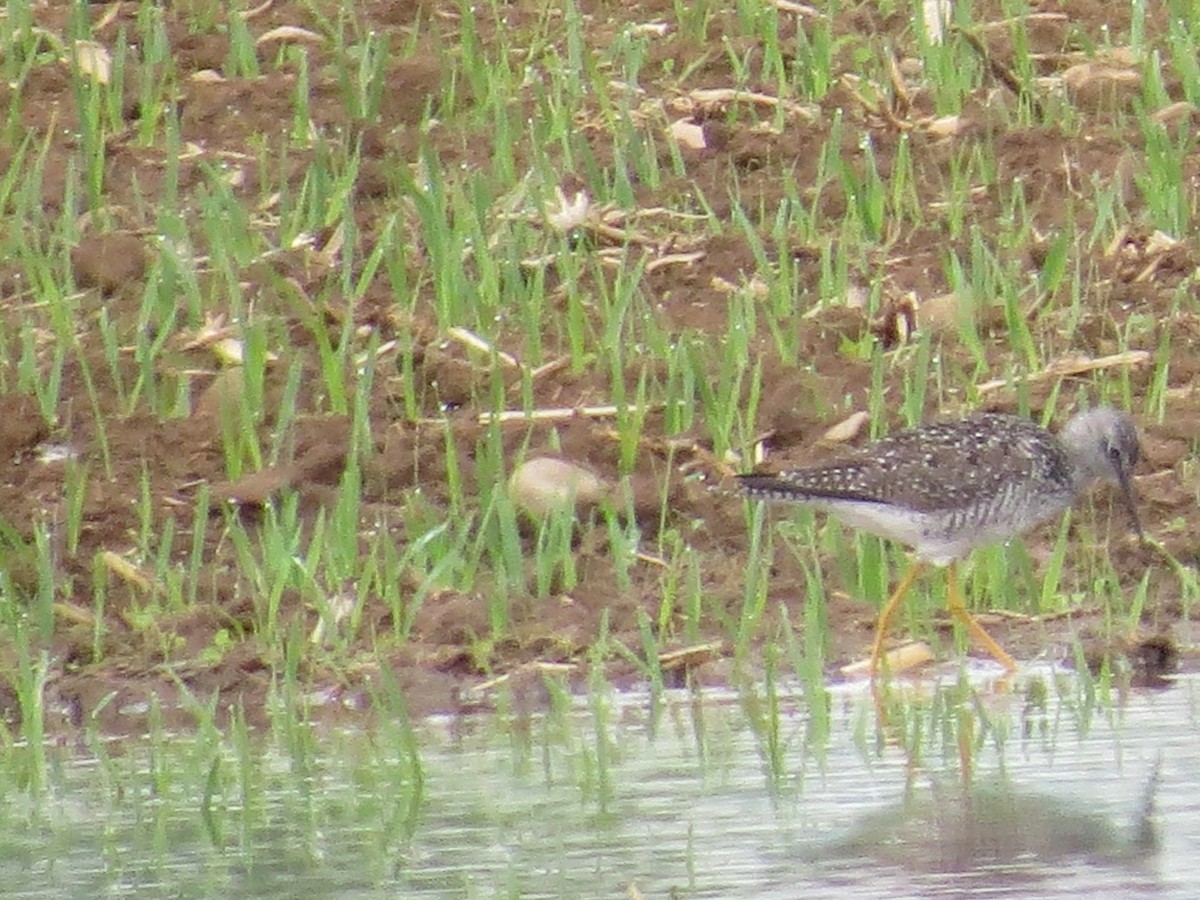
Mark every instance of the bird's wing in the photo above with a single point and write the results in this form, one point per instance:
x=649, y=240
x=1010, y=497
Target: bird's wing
x=929, y=469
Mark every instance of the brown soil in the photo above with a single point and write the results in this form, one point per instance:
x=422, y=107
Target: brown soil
x=211, y=645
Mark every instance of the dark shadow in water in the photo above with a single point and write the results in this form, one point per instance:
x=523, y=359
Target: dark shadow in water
x=1000, y=833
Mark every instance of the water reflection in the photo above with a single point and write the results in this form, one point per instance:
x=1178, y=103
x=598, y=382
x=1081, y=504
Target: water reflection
x=996, y=833
x=610, y=796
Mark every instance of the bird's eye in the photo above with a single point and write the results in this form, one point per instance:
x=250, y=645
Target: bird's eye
x=1117, y=457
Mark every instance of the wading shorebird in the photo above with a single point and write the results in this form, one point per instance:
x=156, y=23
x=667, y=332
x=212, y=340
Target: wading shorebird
x=946, y=488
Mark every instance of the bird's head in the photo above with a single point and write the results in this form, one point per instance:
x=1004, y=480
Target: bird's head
x=1103, y=445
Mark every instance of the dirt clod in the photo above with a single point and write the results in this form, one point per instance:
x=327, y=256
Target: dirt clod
x=109, y=262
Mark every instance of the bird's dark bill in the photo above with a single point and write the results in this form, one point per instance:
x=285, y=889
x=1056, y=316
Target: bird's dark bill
x=1127, y=498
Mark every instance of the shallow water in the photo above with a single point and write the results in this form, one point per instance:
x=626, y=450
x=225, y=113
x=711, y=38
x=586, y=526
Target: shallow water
x=686, y=797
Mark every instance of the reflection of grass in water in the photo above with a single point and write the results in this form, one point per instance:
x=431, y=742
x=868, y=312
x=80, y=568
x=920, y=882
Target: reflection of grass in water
x=977, y=819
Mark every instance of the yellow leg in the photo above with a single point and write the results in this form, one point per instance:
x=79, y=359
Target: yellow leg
x=955, y=602
x=889, y=610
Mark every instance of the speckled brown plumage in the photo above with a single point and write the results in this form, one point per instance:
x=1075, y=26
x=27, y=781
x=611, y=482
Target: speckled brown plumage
x=946, y=487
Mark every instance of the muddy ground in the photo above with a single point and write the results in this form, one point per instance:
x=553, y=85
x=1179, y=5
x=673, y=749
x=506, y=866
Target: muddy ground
x=1130, y=285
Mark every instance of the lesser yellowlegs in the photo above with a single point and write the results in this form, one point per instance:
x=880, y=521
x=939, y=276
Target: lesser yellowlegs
x=945, y=488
